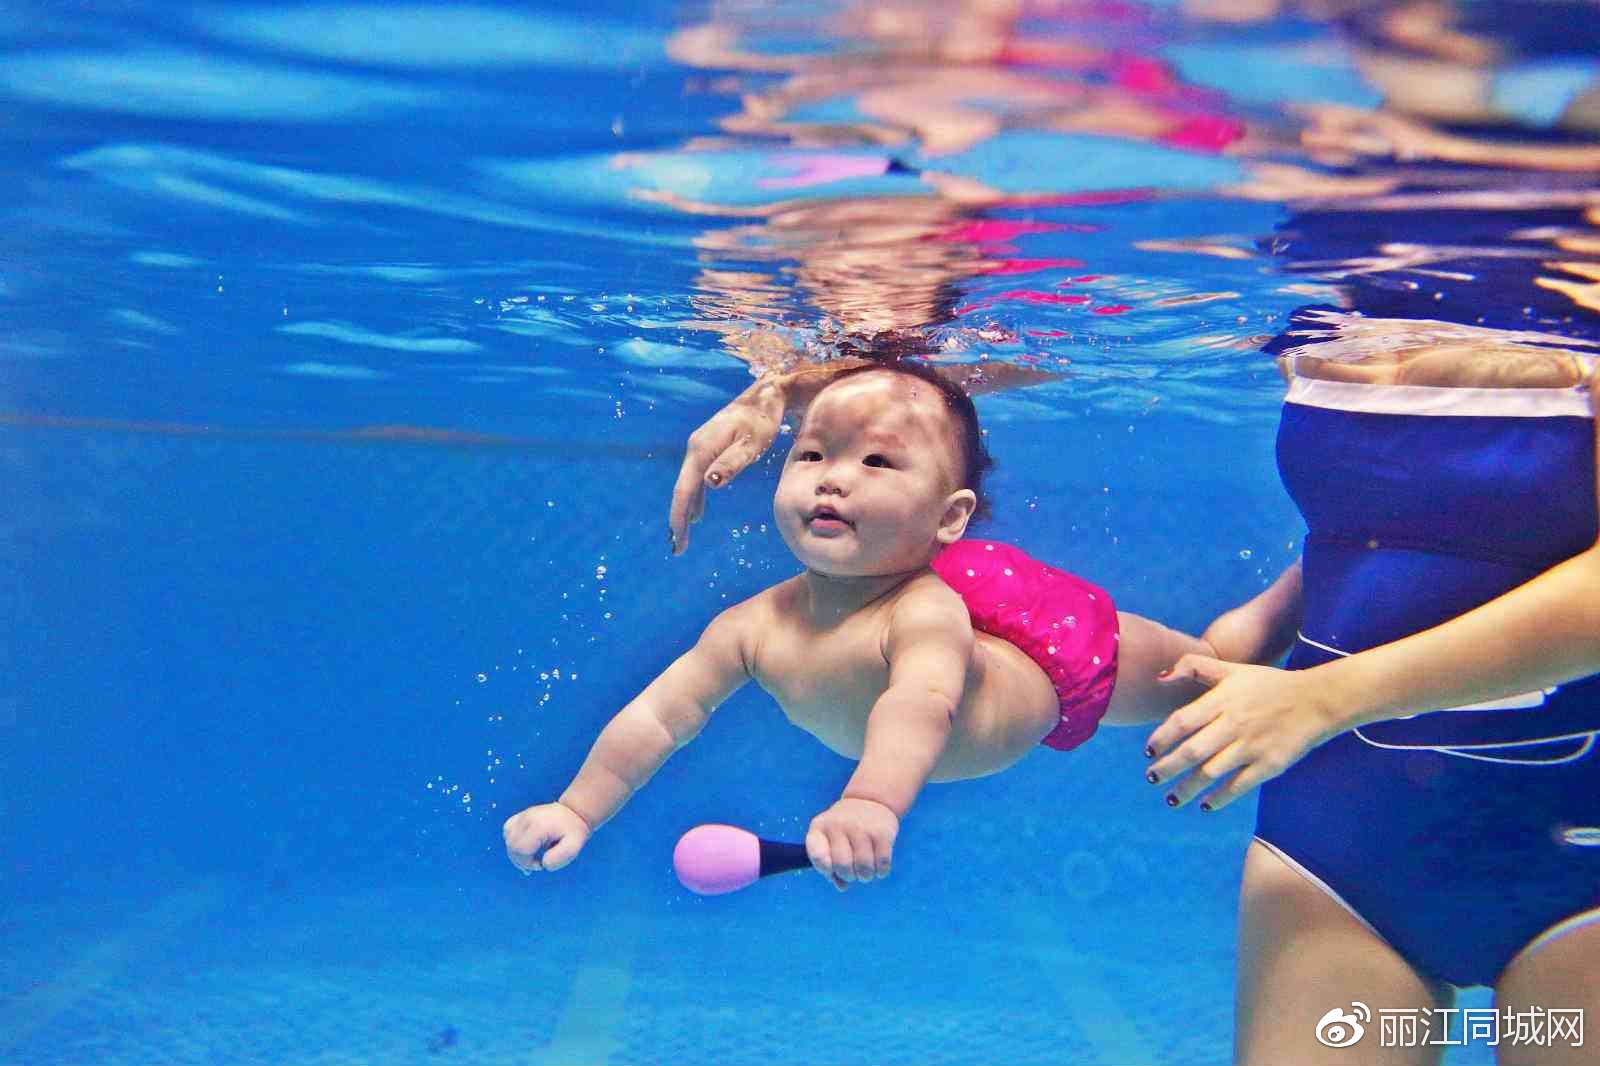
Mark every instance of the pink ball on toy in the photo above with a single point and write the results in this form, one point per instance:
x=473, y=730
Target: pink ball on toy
x=713, y=859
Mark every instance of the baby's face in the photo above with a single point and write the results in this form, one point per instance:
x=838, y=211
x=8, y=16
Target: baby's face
x=868, y=488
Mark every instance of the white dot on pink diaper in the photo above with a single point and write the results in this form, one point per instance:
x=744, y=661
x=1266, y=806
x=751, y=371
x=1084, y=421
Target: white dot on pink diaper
x=1008, y=571
x=971, y=574
x=988, y=547
x=1051, y=649
x=1097, y=660
x=1091, y=595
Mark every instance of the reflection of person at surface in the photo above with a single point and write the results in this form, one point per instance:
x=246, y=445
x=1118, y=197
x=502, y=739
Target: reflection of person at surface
x=1475, y=83
x=944, y=77
x=953, y=75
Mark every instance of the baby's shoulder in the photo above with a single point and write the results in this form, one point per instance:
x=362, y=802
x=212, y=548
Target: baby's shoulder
x=758, y=612
x=926, y=602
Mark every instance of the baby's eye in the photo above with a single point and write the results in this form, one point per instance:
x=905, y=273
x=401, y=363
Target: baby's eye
x=877, y=460
x=807, y=456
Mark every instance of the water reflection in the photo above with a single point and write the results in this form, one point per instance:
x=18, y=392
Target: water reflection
x=1467, y=196
x=1063, y=187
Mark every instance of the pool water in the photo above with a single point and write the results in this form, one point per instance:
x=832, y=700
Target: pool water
x=348, y=356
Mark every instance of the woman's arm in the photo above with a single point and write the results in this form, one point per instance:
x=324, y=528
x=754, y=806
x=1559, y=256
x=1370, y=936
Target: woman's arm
x=1260, y=630
x=1539, y=634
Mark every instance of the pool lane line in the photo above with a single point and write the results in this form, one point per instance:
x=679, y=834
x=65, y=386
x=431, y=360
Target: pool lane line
x=105, y=962
x=589, y=1027
x=1085, y=996
x=403, y=435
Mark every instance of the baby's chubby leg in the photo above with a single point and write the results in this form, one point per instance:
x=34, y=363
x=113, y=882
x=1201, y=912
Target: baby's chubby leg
x=1144, y=649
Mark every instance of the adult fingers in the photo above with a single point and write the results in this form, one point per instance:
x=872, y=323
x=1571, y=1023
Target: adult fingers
x=1213, y=770
x=1240, y=784
x=740, y=452
x=1182, y=723
x=688, y=503
x=1194, y=667
x=1200, y=746
x=688, y=492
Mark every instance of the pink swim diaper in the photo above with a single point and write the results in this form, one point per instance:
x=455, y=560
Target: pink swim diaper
x=1060, y=621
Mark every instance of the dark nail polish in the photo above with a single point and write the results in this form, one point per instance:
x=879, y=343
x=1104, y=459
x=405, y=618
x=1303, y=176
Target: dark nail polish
x=1205, y=805
x=1149, y=752
x=1153, y=778
x=1172, y=801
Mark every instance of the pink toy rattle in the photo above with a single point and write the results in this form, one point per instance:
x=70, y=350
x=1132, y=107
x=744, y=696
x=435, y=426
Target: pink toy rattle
x=713, y=859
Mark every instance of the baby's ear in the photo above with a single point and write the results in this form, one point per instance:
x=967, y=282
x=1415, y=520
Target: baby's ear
x=958, y=511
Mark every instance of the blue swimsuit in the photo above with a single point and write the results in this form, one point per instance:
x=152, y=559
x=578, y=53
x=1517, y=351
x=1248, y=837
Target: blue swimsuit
x=1459, y=836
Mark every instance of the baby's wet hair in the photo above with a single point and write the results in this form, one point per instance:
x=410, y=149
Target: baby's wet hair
x=970, y=449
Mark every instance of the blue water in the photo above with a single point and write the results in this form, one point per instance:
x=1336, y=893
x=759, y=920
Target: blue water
x=344, y=378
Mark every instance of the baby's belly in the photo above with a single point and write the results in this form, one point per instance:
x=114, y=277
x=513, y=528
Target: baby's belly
x=1008, y=708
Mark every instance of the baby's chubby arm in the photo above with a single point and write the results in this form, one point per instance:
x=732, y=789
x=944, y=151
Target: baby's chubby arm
x=1257, y=631
x=633, y=745
x=929, y=646
x=1261, y=629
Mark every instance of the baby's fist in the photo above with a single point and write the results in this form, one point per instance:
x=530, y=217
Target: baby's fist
x=546, y=837
x=852, y=841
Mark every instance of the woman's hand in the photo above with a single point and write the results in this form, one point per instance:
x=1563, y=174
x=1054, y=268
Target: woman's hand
x=718, y=451
x=1254, y=724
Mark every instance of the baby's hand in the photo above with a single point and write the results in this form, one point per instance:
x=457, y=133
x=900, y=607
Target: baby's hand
x=559, y=832
x=852, y=841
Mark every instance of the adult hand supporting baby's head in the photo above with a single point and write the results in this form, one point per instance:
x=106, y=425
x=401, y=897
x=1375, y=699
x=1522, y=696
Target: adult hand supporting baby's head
x=720, y=450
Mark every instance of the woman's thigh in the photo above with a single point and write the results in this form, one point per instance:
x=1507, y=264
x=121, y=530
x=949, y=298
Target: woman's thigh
x=1301, y=955
x=1561, y=974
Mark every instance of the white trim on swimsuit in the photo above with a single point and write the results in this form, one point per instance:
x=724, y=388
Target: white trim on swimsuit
x=1442, y=400
x=1570, y=924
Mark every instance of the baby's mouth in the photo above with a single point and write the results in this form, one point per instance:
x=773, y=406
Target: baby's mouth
x=827, y=516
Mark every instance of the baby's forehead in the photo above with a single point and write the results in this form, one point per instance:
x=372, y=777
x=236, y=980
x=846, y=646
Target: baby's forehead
x=895, y=408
